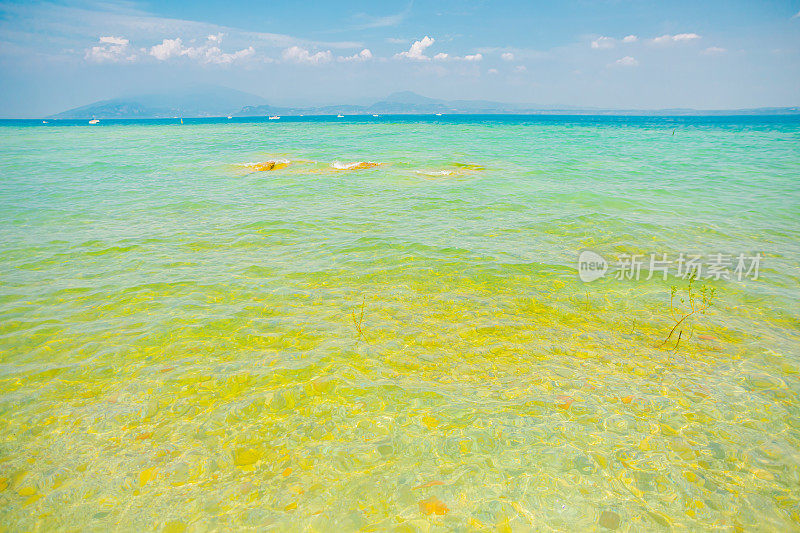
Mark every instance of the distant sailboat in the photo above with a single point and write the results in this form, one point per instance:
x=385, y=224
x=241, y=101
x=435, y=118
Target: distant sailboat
x=339, y=116
x=94, y=121
x=276, y=117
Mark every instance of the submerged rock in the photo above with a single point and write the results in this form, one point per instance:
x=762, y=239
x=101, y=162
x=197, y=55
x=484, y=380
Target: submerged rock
x=433, y=505
x=271, y=165
x=609, y=519
x=358, y=165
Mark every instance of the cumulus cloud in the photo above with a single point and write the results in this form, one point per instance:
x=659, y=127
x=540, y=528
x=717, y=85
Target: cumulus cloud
x=115, y=40
x=602, y=42
x=417, y=50
x=507, y=56
x=680, y=37
x=110, y=49
x=714, y=50
x=446, y=57
x=626, y=61
x=209, y=52
x=167, y=49
x=363, y=55
x=301, y=55
x=215, y=55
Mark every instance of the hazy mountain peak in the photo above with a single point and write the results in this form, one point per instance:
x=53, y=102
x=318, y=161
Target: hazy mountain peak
x=409, y=97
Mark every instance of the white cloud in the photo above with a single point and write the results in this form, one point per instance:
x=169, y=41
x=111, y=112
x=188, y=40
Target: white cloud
x=602, y=42
x=492, y=71
x=61, y=30
x=515, y=54
x=114, y=40
x=215, y=55
x=681, y=37
x=627, y=61
x=448, y=57
x=208, y=53
x=111, y=49
x=363, y=55
x=520, y=68
x=417, y=50
x=167, y=49
x=605, y=43
x=301, y=55
x=714, y=50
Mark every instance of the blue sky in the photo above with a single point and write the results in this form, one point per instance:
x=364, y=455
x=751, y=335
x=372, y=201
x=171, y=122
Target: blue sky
x=616, y=53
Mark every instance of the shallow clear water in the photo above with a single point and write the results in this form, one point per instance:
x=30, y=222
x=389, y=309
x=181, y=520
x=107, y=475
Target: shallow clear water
x=187, y=342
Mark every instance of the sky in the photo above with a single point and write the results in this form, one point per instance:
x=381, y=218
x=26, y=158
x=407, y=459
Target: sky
x=623, y=54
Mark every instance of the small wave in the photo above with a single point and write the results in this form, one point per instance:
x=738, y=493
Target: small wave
x=358, y=165
x=469, y=166
x=271, y=164
x=436, y=173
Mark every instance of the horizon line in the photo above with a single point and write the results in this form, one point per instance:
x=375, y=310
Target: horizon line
x=599, y=112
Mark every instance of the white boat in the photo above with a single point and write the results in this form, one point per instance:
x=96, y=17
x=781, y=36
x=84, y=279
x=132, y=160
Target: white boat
x=375, y=115
x=339, y=116
x=94, y=121
x=229, y=117
x=276, y=117
x=438, y=114
x=44, y=122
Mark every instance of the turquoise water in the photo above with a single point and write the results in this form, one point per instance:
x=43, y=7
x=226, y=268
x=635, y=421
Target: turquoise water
x=189, y=343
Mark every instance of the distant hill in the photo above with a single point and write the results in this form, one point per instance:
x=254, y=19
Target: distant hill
x=221, y=101
x=410, y=103
x=400, y=103
x=195, y=102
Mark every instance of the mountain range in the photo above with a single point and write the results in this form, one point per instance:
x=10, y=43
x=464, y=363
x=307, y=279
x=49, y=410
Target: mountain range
x=203, y=101
x=222, y=101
